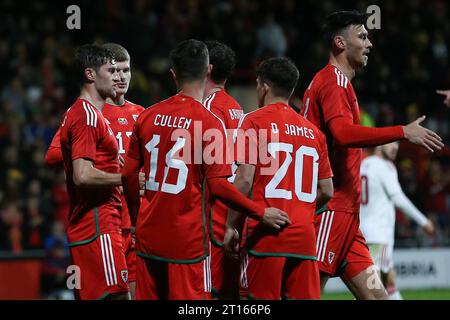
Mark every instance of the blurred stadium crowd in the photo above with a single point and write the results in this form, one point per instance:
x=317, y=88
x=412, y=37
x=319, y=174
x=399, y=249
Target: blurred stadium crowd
x=410, y=59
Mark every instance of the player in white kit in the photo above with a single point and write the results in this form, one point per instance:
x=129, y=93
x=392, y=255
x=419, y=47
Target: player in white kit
x=381, y=194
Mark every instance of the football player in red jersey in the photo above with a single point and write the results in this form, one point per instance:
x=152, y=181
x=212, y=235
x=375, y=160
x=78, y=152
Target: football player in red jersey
x=330, y=103
x=171, y=140
x=120, y=115
x=224, y=271
x=90, y=155
x=281, y=264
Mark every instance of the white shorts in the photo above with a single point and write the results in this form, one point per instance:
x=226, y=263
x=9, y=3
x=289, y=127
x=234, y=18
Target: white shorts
x=382, y=256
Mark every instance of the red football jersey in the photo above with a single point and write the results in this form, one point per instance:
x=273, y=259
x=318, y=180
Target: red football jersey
x=300, y=157
x=85, y=134
x=230, y=112
x=167, y=141
x=330, y=95
x=121, y=119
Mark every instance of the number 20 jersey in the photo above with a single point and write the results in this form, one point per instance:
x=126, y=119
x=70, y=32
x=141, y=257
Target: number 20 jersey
x=302, y=159
x=169, y=143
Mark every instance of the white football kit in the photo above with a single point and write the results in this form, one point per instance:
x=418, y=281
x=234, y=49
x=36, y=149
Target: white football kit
x=381, y=194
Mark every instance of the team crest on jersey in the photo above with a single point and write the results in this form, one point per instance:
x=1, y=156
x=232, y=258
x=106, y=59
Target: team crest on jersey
x=330, y=257
x=135, y=116
x=122, y=121
x=124, y=275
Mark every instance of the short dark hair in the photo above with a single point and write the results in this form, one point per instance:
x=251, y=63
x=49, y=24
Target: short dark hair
x=340, y=20
x=90, y=56
x=223, y=60
x=190, y=60
x=120, y=53
x=280, y=74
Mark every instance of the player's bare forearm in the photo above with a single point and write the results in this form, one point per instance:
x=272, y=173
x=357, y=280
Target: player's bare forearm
x=86, y=176
x=324, y=192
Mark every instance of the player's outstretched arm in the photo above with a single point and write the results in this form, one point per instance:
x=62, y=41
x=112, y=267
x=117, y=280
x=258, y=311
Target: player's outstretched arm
x=352, y=135
x=446, y=94
x=86, y=176
x=324, y=192
x=405, y=205
x=421, y=136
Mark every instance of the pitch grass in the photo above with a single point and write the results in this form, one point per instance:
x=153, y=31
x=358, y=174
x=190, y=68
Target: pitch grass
x=429, y=294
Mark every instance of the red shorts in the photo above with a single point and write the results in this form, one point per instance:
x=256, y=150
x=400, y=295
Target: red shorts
x=224, y=274
x=102, y=265
x=130, y=253
x=280, y=277
x=159, y=280
x=341, y=247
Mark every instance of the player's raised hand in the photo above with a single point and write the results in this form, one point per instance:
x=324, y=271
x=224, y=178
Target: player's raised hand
x=429, y=227
x=421, y=136
x=446, y=94
x=275, y=218
x=231, y=243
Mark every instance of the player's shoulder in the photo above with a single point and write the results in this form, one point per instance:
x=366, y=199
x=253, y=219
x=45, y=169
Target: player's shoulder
x=222, y=100
x=209, y=116
x=134, y=106
x=83, y=110
x=162, y=105
x=331, y=76
x=253, y=115
x=307, y=123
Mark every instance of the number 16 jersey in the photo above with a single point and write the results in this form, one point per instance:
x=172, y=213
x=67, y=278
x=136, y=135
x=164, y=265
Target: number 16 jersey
x=172, y=140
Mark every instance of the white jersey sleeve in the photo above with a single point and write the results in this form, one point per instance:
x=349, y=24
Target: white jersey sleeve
x=398, y=197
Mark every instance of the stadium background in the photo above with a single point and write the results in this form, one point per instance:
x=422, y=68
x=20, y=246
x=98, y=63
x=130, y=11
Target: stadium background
x=410, y=59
